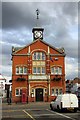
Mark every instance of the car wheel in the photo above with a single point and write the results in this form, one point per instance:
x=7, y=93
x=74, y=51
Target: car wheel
x=58, y=108
x=51, y=107
x=75, y=110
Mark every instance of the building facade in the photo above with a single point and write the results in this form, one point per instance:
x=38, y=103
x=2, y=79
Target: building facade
x=2, y=86
x=72, y=86
x=38, y=70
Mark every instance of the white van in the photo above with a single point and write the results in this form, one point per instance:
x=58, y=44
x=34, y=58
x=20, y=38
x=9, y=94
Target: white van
x=65, y=101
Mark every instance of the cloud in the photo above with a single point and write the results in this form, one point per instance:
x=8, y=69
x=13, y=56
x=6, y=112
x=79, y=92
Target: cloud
x=60, y=23
x=71, y=68
x=16, y=37
x=79, y=34
x=16, y=15
x=7, y=71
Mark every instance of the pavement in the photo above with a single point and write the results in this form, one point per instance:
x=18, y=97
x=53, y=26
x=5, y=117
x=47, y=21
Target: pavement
x=35, y=111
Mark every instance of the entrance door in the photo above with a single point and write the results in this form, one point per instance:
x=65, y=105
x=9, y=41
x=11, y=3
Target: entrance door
x=39, y=94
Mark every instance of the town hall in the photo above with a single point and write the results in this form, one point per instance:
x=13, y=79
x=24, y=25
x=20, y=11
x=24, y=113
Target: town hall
x=38, y=70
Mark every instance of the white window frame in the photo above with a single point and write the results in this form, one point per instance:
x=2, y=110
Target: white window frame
x=42, y=70
x=37, y=70
x=56, y=70
x=21, y=70
x=45, y=90
x=34, y=56
x=19, y=89
x=56, y=92
x=19, y=67
x=38, y=57
x=32, y=92
x=52, y=69
x=24, y=70
x=52, y=92
x=60, y=70
x=60, y=91
x=41, y=56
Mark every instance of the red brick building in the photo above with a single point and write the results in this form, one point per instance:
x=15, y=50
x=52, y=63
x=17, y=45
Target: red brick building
x=38, y=70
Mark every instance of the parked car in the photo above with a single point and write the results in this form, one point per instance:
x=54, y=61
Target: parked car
x=65, y=101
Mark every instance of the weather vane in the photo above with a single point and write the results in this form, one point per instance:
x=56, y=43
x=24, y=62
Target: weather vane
x=37, y=11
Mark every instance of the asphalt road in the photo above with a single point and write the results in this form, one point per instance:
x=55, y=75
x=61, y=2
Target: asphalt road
x=35, y=111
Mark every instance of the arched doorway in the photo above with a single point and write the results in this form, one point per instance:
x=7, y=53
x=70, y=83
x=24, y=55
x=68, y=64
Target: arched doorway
x=39, y=94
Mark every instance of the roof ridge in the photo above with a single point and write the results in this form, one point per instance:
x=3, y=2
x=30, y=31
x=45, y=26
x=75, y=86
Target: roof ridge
x=61, y=51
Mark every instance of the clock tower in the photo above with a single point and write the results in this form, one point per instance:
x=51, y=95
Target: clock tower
x=37, y=31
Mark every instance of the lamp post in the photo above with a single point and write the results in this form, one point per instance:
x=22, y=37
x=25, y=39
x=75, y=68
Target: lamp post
x=1, y=89
x=48, y=87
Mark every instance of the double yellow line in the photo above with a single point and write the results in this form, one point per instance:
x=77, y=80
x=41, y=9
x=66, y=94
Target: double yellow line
x=28, y=114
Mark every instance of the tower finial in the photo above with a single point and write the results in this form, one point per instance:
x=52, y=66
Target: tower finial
x=37, y=31
x=37, y=11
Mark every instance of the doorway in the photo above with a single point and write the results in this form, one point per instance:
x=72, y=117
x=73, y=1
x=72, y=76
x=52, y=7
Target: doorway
x=39, y=94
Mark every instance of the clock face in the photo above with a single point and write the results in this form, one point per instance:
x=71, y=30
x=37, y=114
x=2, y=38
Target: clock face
x=38, y=34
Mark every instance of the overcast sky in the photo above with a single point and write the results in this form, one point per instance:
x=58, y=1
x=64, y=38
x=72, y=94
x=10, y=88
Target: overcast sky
x=60, y=23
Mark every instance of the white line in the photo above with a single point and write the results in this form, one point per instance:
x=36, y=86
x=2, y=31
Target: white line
x=61, y=114
x=34, y=109
x=44, y=115
x=28, y=114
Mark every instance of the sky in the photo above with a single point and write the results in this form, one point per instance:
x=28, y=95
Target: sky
x=60, y=23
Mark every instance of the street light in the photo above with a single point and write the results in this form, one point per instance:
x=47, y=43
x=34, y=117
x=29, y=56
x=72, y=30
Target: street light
x=1, y=89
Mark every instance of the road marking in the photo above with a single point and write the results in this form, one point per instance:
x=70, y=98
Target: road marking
x=34, y=109
x=14, y=116
x=61, y=114
x=10, y=110
x=28, y=114
x=37, y=115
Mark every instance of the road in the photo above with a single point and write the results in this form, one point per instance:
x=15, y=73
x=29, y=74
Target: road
x=35, y=111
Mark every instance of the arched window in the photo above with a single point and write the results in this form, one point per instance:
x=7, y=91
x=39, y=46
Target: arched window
x=56, y=70
x=21, y=70
x=39, y=56
x=34, y=56
x=43, y=56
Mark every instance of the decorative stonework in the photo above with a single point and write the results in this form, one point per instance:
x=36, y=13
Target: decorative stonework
x=40, y=77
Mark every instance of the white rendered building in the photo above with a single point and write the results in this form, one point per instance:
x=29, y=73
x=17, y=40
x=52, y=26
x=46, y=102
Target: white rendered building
x=76, y=89
x=2, y=86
